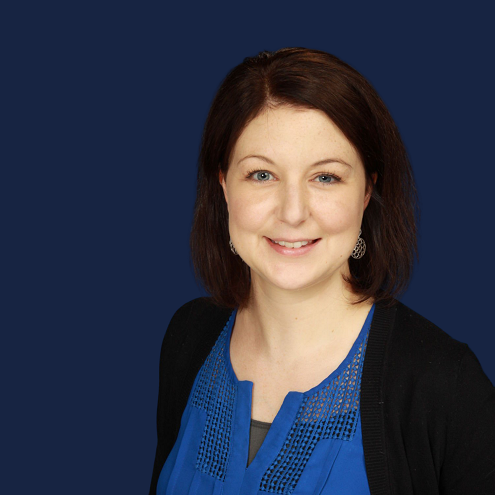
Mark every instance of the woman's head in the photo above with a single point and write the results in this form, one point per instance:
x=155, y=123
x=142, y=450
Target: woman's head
x=294, y=108
x=293, y=176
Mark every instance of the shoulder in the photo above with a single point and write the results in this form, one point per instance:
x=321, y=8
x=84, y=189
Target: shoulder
x=418, y=343
x=421, y=335
x=189, y=338
x=429, y=395
x=421, y=353
x=200, y=310
x=197, y=322
x=419, y=338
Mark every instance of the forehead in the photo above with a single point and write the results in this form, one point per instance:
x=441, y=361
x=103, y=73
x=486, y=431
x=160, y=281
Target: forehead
x=294, y=134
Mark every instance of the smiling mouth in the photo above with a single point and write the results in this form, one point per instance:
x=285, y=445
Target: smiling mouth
x=293, y=245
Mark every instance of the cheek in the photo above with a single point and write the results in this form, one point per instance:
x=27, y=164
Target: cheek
x=336, y=216
x=249, y=213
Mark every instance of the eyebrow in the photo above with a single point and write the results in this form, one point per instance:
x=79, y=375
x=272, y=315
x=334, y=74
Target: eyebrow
x=320, y=162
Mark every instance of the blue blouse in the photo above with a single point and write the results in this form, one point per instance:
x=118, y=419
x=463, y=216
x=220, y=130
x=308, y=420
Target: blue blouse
x=314, y=445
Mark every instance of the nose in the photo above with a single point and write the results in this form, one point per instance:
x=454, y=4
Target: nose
x=293, y=207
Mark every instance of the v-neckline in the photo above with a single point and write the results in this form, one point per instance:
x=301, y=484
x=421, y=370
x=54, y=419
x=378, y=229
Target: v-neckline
x=286, y=415
x=350, y=355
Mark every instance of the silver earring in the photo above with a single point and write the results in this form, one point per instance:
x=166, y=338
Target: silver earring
x=359, y=248
x=232, y=248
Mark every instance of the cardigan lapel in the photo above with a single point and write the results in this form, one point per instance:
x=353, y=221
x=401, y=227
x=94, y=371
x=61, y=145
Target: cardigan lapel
x=371, y=403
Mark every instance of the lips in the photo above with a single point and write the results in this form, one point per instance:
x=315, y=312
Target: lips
x=293, y=251
x=305, y=241
x=309, y=241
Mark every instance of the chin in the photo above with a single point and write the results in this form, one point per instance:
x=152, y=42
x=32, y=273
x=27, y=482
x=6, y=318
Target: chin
x=286, y=285
x=293, y=281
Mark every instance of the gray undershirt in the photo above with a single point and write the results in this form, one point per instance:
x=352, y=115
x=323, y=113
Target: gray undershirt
x=257, y=435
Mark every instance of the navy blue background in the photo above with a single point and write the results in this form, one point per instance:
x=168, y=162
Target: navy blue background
x=104, y=107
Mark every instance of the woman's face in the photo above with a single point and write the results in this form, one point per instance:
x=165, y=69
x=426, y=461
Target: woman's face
x=294, y=176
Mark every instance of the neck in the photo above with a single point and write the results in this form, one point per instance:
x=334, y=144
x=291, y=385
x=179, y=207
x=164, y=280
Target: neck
x=283, y=324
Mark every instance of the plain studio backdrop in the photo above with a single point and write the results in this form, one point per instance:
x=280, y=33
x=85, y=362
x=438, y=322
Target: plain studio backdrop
x=103, y=108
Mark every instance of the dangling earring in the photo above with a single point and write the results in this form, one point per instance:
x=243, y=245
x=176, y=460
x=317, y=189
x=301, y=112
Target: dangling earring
x=359, y=248
x=232, y=248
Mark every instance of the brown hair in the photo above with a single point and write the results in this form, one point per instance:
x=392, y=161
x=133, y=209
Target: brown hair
x=312, y=79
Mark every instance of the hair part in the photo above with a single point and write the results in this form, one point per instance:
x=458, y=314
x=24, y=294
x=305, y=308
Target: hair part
x=309, y=79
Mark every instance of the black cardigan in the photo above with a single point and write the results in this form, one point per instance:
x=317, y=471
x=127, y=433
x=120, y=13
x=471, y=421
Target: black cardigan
x=427, y=407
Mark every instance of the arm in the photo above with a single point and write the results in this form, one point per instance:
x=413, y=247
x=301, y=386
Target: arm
x=469, y=461
x=166, y=431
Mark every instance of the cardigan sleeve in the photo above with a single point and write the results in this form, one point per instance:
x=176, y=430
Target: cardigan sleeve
x=469, y=460
x=166, y=435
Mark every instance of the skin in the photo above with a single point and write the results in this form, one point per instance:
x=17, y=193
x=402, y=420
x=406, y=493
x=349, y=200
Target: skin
x=299, y=324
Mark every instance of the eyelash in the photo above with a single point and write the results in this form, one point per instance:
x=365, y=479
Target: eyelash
x=325, y=174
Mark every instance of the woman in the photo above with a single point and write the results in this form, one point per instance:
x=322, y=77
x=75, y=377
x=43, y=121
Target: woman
x=303, y=373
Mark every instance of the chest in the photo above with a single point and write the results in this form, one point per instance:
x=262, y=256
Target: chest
x=272, y=381
x=313, y=439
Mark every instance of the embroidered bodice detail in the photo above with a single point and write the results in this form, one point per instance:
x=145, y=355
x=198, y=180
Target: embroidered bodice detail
x=215, y=393
x=329, y=410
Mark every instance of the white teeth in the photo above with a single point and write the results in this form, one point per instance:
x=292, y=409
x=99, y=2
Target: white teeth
x=293, y=245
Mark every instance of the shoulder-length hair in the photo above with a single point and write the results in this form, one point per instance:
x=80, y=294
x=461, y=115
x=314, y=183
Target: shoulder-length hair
x=311, y=79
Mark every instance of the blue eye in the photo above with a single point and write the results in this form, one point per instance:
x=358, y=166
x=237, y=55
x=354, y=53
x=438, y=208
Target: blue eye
x=328, y=179
x=259, y=175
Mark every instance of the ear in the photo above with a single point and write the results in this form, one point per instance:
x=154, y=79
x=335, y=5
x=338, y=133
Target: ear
x=221, y=179
x=367, y=197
